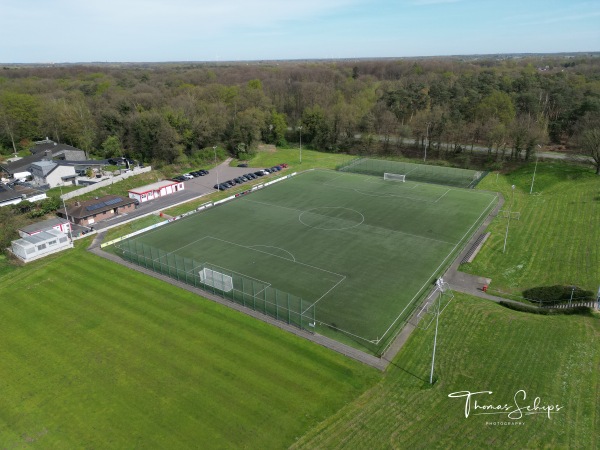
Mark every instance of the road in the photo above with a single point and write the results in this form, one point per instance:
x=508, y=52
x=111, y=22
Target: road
x=479, y=149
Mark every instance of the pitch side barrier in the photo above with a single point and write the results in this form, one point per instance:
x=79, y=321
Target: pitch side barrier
x=198, y=209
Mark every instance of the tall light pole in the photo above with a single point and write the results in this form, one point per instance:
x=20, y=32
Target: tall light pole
x=66, y=214
x=534, y=170
x=437, y=320
x=300, y=129
x=216, y=167
x=426, y=141
x=508, y=221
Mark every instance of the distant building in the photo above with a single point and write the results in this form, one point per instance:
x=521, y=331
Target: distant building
x=44, y=243
x=12, y=195
x=155, y=190
x=92, y=211
x=52, y=173
x=55, y=223
x=46, y=149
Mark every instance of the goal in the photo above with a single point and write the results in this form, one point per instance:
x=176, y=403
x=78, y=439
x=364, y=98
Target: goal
x=216, y=279
x=394, y=177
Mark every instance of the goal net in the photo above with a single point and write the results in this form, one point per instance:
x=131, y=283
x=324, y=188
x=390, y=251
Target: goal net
x=216, y=279
x=394, y=177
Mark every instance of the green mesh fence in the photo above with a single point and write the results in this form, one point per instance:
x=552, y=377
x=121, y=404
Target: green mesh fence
x=244, y=290
x=449, y=176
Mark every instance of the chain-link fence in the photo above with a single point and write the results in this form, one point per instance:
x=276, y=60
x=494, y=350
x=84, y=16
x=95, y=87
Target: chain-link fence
x=449, y=176
x=252, y=293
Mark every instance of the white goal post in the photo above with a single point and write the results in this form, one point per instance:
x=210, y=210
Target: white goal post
x=394, y=177
x=216, y=279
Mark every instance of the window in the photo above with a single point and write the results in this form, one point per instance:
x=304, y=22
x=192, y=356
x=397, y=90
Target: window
x=41, y=247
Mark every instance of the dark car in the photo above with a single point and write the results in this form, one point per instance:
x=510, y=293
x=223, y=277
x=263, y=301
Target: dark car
x=242, y=165
x=195, y=174
x=220, y=187
x=275, y=169
x=239, y=180
x=203, y=172
x=231, y=183
x=179, y=178
x=259, y=173
x=267, y=170
x=250, y=176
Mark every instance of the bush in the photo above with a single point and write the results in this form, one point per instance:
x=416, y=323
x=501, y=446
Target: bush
x=556, y=294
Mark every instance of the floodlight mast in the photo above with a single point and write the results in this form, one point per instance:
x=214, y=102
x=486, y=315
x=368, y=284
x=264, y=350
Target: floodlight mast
x=534, y=170
x=508, y=221
x=437, y=320
x=216, y=167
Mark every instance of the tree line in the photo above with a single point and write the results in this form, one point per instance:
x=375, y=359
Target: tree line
x=175, y=113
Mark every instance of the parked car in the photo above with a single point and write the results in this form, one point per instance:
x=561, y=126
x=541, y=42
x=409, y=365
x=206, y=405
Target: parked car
x=195, y=174
x=275, y=169
x=188, y=176
x=250, y=176
x=259, y=173
x=179, y=178
x=203, y=172
x=220, y=187
x=242, y=165
x=283, y=165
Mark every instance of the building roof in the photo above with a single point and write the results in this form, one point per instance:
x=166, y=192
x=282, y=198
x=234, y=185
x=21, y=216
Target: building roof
x=96, y=206
x=44, y=236
x=44, y=225
x=47, y=144
x=38, y=154
x=45, y=166
x=154, y=186
x=7, y=194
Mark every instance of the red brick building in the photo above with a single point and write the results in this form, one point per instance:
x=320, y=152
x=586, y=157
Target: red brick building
x=92, y=211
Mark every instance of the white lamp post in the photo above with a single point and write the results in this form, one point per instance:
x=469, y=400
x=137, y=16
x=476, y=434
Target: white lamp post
x=300, y=129
x=426, y=141
x=534, y=170
x=216, y=167
x=508, y=221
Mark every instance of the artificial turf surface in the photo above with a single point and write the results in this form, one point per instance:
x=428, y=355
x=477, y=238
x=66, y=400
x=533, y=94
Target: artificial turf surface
x=361, y=250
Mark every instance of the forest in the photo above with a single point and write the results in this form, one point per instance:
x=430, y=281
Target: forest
x=174, y=113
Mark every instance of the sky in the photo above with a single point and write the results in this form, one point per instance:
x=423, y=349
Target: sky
x=57, y=31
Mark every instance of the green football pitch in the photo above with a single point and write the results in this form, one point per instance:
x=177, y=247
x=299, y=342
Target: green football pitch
x=342, y=254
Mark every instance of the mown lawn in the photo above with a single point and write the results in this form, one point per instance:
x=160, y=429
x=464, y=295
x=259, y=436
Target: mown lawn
x=98, y=356
x=556, y=240
x=481, y=347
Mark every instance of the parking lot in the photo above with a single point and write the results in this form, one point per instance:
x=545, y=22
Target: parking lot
x=194, y=188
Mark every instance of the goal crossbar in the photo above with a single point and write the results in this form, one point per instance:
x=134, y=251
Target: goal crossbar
x=394, y=177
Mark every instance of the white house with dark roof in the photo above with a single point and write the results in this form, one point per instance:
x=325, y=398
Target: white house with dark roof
x=52, y=173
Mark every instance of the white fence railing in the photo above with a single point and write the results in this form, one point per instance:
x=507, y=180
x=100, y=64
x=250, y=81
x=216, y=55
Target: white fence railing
x=103, y=183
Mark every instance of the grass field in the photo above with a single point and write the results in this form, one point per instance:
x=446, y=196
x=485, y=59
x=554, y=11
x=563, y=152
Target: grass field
x=98, y=356
x=359, y=249
x=556, y=240
x=481, y=347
